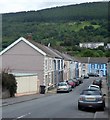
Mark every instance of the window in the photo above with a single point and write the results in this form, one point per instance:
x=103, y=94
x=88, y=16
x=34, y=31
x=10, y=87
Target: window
x=46, y=64
x=83, y=65
x=99, y=66
x=58, y=64
x=62, y=64
x=93, y=65
x=55, y=64
x=102, y=66
x=50, y=64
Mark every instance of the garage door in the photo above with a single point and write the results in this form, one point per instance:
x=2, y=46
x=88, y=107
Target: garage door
x=27, y=85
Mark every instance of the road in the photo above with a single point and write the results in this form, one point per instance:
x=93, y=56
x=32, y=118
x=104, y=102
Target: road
x=61, y=105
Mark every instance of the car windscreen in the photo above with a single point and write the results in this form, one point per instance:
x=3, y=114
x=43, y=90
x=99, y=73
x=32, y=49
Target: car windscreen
x=74, y=80
x=91, y=92
x=62, y=84
x=97, y=80
x=70, y=80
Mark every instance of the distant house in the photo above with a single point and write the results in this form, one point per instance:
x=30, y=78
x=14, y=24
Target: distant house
x=84, y=63
x=108, y=46
x=68, y=65
x=27, y=56
x=94, y=65
x=91, y=45
x=98, y=66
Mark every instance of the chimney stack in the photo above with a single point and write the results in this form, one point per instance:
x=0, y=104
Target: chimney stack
x=29, y=36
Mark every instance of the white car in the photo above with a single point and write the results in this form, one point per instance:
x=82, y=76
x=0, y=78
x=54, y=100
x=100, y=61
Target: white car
x=63, y=87
x=94, y=87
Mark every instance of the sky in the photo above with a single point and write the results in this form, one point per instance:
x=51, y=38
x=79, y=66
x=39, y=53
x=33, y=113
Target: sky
x=7, y=6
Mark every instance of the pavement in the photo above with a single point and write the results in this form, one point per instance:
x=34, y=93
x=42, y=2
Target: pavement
x=103, y=114
x=19, y=99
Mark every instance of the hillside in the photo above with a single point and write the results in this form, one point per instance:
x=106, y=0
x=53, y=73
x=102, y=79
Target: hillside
x=63, y=27
x=85, y=11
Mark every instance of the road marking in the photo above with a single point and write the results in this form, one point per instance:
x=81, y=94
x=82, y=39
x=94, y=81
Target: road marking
x=22, y=116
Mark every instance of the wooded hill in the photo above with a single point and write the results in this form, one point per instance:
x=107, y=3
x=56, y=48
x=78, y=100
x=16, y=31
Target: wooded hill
x=64, y=27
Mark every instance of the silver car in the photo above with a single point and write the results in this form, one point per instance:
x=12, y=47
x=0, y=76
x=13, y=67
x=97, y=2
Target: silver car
x=91, y=98
x=63, y=87
x=94, y=87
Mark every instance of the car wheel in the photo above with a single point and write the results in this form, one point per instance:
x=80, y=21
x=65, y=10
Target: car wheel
x=68, y=91
x=102, y=108
x=79, y=107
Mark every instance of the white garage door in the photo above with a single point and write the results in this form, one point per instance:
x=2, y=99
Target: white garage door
x=27, y=85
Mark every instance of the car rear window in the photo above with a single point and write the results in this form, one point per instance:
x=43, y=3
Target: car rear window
x=91, y=92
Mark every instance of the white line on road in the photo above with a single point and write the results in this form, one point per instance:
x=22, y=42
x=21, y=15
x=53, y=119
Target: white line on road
x=22, y=116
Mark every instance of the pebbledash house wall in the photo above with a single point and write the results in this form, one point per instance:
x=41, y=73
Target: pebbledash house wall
x=22, y=58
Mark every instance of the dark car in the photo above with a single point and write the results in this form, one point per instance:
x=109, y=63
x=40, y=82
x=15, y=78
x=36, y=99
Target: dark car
x=80, y=79
x=97, y=82
x=91, y=74
x=91, y=98
x=86, y=76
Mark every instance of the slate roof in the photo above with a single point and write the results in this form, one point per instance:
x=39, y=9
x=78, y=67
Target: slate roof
x=92, y=59
x=46, y=49
x=63, y=55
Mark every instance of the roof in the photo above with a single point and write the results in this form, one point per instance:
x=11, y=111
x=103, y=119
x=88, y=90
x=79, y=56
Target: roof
x=91, y=42
x=92, y=59
x=67, y=57
x=24, y=74
x=26, y=41
x=44, y=50
x=63, y=55
x=47, y=50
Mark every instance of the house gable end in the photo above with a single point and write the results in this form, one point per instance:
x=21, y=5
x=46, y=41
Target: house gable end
x=27, y=42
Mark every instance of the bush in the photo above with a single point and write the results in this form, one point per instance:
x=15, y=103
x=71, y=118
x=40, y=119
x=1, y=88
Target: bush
x=9, y=82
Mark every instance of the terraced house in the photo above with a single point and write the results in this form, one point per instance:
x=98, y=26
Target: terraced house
x=28, y=57
x=95, y=65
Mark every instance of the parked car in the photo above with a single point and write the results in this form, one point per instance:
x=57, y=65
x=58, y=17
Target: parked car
x=96, y=87
x=71, y=82
x=93, y=75
x=80, y=80
x=76, y=82
x=91, y=98
x=63, y=87
x=86, y=76
x=96, y=75
x=98, y=82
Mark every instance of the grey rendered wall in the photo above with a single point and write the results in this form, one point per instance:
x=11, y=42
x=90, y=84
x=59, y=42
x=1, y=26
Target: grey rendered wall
x=23, y=58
